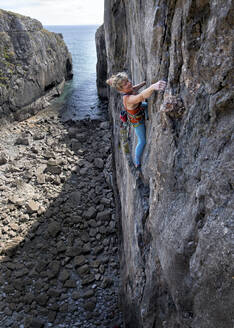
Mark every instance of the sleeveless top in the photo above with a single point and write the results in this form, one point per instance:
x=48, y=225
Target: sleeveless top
x=136, y=115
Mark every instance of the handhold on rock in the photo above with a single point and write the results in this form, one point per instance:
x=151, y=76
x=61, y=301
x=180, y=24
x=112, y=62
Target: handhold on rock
x=173, y=106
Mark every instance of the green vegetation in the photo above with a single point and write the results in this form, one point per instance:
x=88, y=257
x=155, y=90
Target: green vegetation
x=15, y=14
x=59, y=40
x=6, y=12
x=3, y=78
x=8, y=55
x=46, y=32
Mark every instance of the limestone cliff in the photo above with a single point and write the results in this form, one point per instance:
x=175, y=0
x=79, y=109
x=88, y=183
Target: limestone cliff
x=101, y=63
x=176, y=221
x=34, y=63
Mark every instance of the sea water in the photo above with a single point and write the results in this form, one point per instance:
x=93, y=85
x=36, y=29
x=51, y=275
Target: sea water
x=79, y=99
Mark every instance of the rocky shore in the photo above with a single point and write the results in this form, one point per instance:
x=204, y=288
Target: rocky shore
x=58, y=230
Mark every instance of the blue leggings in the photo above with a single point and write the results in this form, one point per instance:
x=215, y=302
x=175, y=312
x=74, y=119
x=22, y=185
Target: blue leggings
x=141, y=141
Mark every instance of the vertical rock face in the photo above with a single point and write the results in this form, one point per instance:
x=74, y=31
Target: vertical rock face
x=176, y=239
x=34, y=63
x=101, y=63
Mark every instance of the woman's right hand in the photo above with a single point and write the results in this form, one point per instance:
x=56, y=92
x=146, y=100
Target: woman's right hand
x=159, y=86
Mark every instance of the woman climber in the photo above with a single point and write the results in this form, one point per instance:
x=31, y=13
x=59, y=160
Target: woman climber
x=134, y=105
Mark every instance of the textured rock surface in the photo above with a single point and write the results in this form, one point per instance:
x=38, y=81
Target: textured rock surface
x=34, y=64
x=176, y=239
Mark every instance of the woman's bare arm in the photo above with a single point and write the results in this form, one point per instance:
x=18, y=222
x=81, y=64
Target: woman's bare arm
x=135, y=99
x=138, y=86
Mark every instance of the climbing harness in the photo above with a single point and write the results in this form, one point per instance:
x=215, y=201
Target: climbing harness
x=135, y=116
x=131, y=117
x=123, y=116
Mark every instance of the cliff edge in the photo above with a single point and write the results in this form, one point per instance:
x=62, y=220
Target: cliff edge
x=176, y=220
x=34, y=64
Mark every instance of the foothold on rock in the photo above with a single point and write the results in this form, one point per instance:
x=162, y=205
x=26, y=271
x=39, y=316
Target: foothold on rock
x=173, y=106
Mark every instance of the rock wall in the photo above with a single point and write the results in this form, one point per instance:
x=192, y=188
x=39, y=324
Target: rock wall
x=101, y=63
x=176, y=220
x=34, y=64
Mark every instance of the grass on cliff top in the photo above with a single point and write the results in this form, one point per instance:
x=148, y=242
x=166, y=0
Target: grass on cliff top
x=56, y=35
x=11, y=13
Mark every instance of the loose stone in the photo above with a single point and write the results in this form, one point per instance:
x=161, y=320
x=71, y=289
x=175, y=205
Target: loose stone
x=55, y=213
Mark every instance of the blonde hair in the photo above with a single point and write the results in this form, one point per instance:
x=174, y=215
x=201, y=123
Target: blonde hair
x=117, y=80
